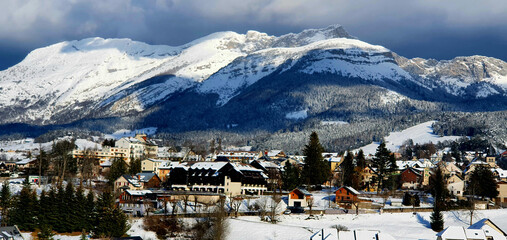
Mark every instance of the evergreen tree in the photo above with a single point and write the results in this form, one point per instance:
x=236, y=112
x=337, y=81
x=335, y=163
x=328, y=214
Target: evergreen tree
x=315, y=171
x=90, y=211
x=385, y=164
x=51, y=212
x=135, y=166
x=438, y=189
x=46, y=233
x=407, y=199
x=110, y=221
x=360, y=159
x=483, y=183
x=80, y=213
x=24, y=211
x=437, y=220
x=291, y=177
x=118, y=168
x=5, y=201
x=69, y=202
x=347, y=166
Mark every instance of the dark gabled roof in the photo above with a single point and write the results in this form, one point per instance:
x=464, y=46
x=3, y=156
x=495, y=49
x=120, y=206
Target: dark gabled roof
x=145, y=177
x=417, y=172
x=350, y=189
x=303, y=191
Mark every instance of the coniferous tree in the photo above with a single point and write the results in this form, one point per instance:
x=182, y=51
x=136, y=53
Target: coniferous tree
x=438, y=189
x=118, y=168
x=110, y=221
x=437, y=220
x=347, y=166
x=135, y=166
x=46, y=232
x=24, y=211
x=291, y=177
x=80, y=212
x=315, y=171
x=360, y=159
x=90, y=211
x=384, y=163
x=483, y=183
x=51, y=212
x=5, y=202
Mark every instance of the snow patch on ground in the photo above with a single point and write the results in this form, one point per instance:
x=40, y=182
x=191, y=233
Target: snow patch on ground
x=420, y=134
x=297, y=115
x=402, y=226
x=130, y=133
x=337, y=122
x=391, y=97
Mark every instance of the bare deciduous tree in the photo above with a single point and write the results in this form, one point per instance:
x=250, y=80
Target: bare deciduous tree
x=236, y=204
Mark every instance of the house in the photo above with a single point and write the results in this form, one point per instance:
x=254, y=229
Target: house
x=152, y=165
x=239, y=156
x=455, y=185
x=411, y=178
x=10, y=233
x=460, y=233
x=106, y=154
x=484, y=229
x=502, y=193
x=230, y=178
x=298, y=198
x=491, y=230
x=364, y=234
x=138, y=146
x=346, y=195
x=275, y=154
x=500, y=174
x=271, y=170
x=367, y=182
x=135, y=202
x=148, y=180
x=127, y=182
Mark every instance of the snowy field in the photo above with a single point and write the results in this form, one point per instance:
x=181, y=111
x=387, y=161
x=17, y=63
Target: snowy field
x=420, y=134
x=399, y=225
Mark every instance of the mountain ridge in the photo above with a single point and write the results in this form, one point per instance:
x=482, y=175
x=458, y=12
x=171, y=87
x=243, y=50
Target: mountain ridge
x=215, y=76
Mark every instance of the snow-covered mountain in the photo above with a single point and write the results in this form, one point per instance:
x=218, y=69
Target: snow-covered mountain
x=212, y=78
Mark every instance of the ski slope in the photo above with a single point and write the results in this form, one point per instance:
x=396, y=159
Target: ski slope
x=420, y=134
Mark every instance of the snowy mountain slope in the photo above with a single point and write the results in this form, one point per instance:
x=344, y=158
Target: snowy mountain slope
x=213, y=78
x=420, y=134
x=485, y=75
x=82, y=76
x=340, y=56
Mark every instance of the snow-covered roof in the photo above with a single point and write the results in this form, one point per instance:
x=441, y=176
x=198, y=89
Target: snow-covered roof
x=208, y=165
x=350, y=189
x=244, y=167
x=273, y=153
x=364, y=235
x=452, y=232
x=25, y=161
x=501, y=173
x=484, y=224
x=138, y=192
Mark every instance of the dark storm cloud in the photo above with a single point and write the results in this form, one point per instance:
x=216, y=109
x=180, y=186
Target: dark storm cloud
x=426, y=28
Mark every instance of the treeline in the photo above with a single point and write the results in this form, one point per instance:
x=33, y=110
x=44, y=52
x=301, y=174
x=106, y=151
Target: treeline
x=63, y=210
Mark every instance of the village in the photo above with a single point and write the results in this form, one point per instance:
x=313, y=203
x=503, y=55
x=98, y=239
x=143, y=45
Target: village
x=148, y=179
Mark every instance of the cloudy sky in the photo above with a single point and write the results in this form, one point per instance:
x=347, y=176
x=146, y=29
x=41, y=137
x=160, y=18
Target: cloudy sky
x=413, y=28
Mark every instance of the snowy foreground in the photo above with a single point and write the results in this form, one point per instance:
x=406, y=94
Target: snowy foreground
x=399, y=225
